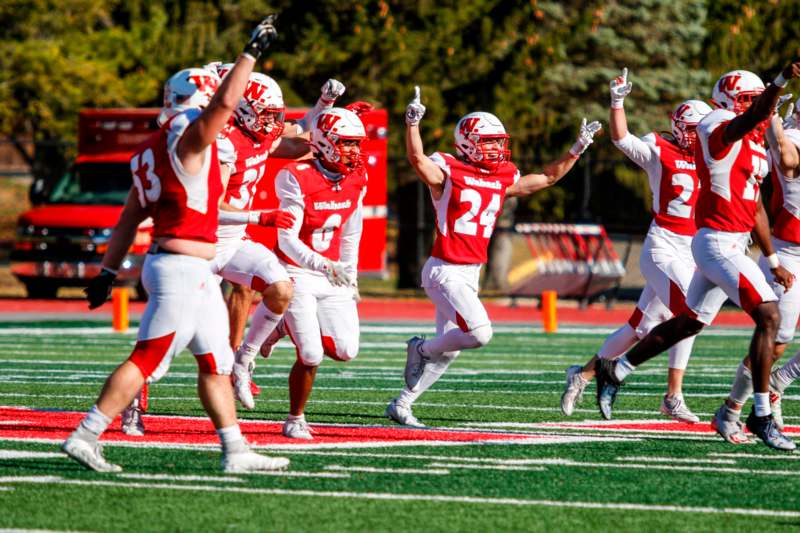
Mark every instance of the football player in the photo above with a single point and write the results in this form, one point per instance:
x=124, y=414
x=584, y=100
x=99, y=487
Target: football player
x=320, y=252
x=177, y=182
x=731, y=163
x=666, y=260
x=467, y=190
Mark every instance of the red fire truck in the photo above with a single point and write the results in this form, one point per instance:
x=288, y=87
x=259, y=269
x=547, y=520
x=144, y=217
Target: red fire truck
x=61, y=241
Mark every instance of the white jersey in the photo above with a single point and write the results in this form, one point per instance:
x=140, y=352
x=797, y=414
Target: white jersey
x=785, y=201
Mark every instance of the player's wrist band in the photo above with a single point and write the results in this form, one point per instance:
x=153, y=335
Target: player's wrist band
x=780, y=81
x=110, y=271
x=617, y=104
x=773, y=262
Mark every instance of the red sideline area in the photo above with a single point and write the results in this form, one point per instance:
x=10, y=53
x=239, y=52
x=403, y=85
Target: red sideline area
x=387, y=310
x=647, y=426
x=22, y=423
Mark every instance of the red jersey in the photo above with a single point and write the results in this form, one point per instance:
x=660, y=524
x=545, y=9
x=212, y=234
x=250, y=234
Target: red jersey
x=327, y=208
x=785, y=201
x=181, y=205
x=472, y=199
x=673, y=183
x=730, y=176
x=247, y=159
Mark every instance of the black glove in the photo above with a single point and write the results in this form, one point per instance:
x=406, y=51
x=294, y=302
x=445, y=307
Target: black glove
x=99, y=288
x=262, y=36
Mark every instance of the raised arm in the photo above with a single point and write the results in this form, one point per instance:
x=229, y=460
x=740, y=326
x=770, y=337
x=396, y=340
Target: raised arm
x=428, y=171
x=202, y=131
x=556, y=170
x=784, y=150
x=762, y=107
x=330, y=91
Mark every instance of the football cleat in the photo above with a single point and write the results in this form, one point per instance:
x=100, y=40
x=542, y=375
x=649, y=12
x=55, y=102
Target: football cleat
x=573, y=391
x=241, y=386
x=775, y=407
x=402, y=414
x=607, y=386
x=297, y=429
x=764, y=428
x=89, y=454
x=415, y=362
x=249, y=461
x=132, y=422
x=727, y=425
x=675, y=407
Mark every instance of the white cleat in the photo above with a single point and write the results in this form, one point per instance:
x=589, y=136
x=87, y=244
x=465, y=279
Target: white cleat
x=297, y=429
x=573, y=391
x=132, y=422
x=89, y=454
x=249, y=461
x=775, y=407
x=415, y=362
x=727, y=425
x=402, y=414
x=241, y=386
x=675, y=407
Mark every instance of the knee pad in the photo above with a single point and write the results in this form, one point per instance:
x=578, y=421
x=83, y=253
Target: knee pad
x=482, y=335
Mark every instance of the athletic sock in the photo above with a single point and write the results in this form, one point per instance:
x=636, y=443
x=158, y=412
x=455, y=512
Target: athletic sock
x=430, y=375
x=231, y=439
x=93, y=424
x=679, y=353
x=298, y=418
x=451, y=341
x=623, y=368
x=742, y=386
x=262, y=324
x=617, y=343
x=761, y=400
x=785, y=375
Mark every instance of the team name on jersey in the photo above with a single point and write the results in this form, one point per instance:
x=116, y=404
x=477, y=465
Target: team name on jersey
x=256, y=159
x=478, y=182
x=331, y=205
x=684, y=165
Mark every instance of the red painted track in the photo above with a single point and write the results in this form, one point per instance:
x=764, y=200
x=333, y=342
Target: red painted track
x=378, y=309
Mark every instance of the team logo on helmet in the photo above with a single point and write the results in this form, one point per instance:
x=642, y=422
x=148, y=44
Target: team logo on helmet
x=261, y=110
x=684, y=122
x=482, y=140
x=330, y=129
x=190, y=88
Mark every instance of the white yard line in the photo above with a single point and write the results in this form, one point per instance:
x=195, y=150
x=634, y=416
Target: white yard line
x=388, y=496
x=686, y=460
x=166, y=477
x=778, y=457
x=22, y=454
x=505, y=467
x=378, y=470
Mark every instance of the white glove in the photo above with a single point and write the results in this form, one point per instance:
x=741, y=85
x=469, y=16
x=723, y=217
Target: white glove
x=585, y=137
x=331, y=90
x=339, y=274
x=782, y=100
x=790, y=117
x=415, y=110
x=620, y=88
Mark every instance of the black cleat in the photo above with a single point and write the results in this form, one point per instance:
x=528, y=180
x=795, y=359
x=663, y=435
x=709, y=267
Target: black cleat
x=765, y=428
x=607, y=386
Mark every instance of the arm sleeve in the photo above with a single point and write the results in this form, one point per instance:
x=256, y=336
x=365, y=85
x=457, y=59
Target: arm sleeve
x=291, y=199
x=640, y=151
x=235, y=218
x=351, y=234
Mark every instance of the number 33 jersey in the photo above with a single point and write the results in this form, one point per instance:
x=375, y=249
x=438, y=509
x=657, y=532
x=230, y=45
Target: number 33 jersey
x=327, y=215
x=472, y=199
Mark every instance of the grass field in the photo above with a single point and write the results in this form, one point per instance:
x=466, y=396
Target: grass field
x=534, y=473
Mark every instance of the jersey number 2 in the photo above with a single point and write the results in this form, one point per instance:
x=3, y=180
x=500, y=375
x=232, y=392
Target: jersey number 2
x=466, y=225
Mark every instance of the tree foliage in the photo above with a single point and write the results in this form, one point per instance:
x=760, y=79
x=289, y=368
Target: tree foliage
x=539, y=65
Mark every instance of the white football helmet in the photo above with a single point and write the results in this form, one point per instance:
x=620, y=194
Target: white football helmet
x=330, y=128
x=736, y=90
x=684, y=122
x=473, y=130
x=190, y=88
x=261, y=109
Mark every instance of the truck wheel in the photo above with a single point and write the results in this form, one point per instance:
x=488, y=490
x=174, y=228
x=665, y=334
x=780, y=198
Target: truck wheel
x=43, y=290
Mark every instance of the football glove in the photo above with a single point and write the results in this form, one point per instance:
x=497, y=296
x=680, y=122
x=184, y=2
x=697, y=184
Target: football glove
x=585, y=137
x=338, y=273
x=331, y=90
x=782, y=100
x=277, y=218
x=99, y=288
x=415, y=110
x=262, y=37
x=620, y=88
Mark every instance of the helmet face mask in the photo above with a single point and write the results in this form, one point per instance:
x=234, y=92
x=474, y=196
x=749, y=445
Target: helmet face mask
x=261, y=110
x=336, y=137
x=482, y=140
x=190, y=88
x=684, y=120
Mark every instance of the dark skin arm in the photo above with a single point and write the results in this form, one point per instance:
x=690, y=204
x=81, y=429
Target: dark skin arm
x=761, y=108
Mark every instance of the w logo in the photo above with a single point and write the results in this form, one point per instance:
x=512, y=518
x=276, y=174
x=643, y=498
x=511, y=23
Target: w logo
x=254, y=91
x=729, y=83
x=206, y=84
x=467, y=125
x=327, y=121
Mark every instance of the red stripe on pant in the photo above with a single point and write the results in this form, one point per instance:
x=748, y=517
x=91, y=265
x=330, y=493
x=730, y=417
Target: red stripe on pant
x=206, y=363
x=636, y=318
x=329, y=348
x=462, y=324
x=748, y=295
x=148, y=353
